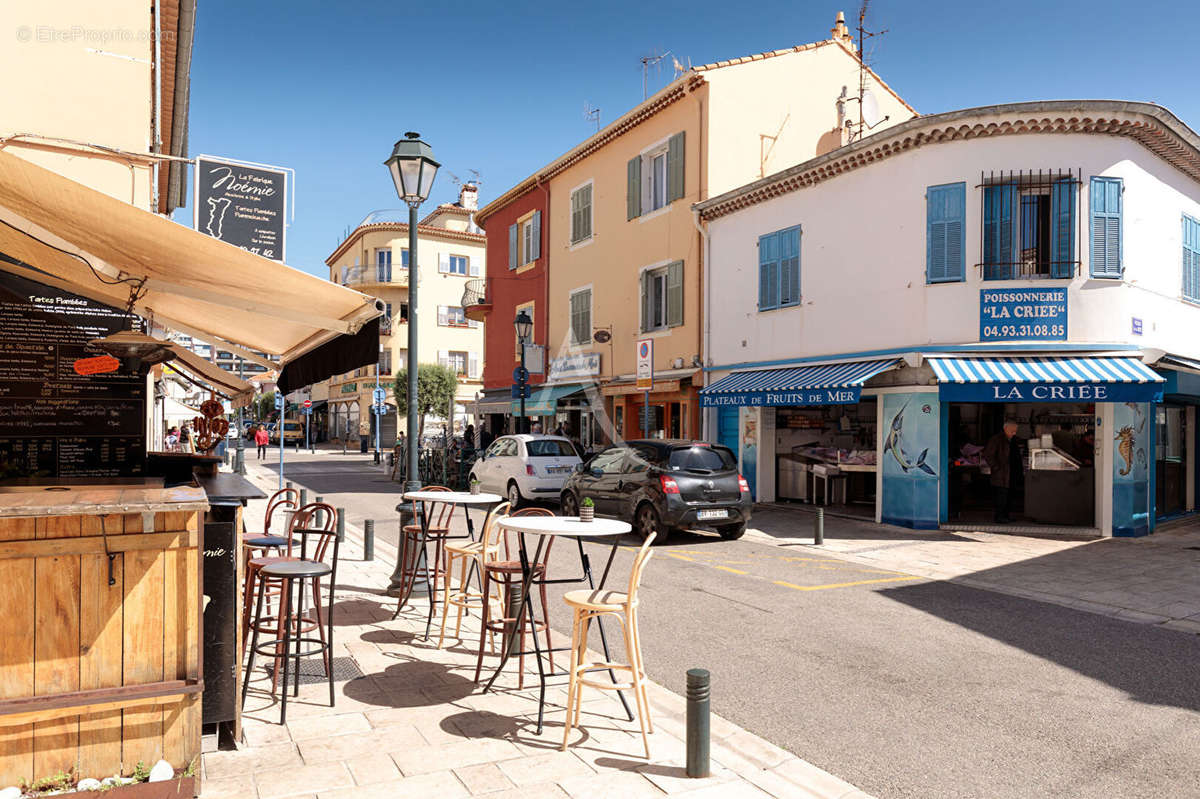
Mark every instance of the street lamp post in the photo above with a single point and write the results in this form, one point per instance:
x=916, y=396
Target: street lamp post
x=413, y=169
x=524, y=325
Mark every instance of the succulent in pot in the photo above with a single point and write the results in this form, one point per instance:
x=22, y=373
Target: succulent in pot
x=474, y=485
x=587, y=510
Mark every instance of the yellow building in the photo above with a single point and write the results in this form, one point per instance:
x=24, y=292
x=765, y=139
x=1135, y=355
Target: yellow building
x=625, y=255
x=374, y=260
x=93, y=90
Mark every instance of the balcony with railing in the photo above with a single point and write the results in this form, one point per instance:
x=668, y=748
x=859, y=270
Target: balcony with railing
x=372, y=276
x=475, y=300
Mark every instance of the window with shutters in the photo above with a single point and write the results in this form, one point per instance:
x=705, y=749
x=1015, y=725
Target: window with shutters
x=527, y=308
x=655, y=177
x=581, y=213
x=459, y=264
x=404, y=259
x=581, y=316
x=1191, y=258
x=779, y=269
x=1105, y=234
x=383, y=264
x=1029, y=224
x=945, y=223
x=662, y=297
x=454, y=359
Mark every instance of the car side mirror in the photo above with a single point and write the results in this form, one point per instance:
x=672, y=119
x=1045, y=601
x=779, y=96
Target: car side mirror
x=597, y=473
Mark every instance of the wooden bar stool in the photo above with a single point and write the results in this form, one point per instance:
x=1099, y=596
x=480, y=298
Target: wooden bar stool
x=263, y=544
x=314, y=517
x=589, y=605
x=506, y=575
x=412, y=552
x=470, y=557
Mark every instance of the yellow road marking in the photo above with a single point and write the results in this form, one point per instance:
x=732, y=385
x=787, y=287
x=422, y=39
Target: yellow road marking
x=843, y=585
x=680, y=557
x=727, y=569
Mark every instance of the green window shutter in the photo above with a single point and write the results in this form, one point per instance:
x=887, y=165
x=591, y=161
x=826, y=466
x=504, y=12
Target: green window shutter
x=575, y=220
x=647, y=300
x=585, y=213
x=535, y=251
x=675, y=167
x=512, y=247
x=633, y=188
x=675, y=294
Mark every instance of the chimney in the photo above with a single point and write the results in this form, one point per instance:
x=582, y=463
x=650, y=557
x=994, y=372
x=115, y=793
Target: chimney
x=841, y=33
x=468, y=196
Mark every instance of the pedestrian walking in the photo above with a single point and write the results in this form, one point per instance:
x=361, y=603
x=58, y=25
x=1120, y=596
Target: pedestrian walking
x=185, y=438
x=172, y=440
x=261, y=439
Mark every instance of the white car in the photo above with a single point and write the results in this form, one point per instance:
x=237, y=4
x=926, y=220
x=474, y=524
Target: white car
x=525, y=467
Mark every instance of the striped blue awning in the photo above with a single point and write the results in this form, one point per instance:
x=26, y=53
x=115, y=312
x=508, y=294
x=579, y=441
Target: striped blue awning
x=824, y=384
x=1048, y=369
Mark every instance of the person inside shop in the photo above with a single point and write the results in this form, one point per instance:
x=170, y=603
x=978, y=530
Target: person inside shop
x=172, y=440
x=1003, y=457
x=185, y=438
x=469, y=438
x=561, y=430
x=261, y=439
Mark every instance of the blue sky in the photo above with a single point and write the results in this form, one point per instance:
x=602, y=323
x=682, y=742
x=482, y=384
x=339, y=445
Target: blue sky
x=327, y=87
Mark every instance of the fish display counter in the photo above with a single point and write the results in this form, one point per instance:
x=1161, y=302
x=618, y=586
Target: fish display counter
x=1059, y=488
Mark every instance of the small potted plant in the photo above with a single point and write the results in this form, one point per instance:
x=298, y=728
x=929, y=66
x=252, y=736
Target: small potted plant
x=474, y=484
x=587, y=510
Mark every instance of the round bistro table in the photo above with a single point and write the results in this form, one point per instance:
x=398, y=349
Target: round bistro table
x=557, y=527
x=466, y=500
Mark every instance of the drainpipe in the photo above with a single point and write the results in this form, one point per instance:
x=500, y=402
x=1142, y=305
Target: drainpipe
x=156, y=144
x=705, y=335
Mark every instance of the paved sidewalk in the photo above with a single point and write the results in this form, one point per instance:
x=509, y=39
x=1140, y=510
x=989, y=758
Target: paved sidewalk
x=1154, y=579
x=410, y=721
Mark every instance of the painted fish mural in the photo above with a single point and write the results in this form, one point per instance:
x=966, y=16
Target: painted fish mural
x=893, y=445
x=1125, y=447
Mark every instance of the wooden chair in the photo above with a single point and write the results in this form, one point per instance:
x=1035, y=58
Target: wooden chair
x=262, y=545
x=440, y=514
x=506, y=575
x=466, y=555
x=588, y=605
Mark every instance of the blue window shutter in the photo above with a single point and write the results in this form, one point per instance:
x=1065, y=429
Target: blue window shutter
x=768, y=271
x=1191, y=258
x=512, y=247
x=1062, y=235
x=1105, y=210
x=945, y=221
x=789, y=266
x=537, y=236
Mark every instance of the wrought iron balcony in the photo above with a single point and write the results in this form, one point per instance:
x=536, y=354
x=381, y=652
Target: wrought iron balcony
x=475, y=300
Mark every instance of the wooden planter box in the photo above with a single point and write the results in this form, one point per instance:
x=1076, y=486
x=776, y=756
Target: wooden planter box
x=101, y=663
x=178, y=788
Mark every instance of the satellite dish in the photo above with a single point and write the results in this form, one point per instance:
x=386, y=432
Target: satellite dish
x=602, y=336
x=870, y=109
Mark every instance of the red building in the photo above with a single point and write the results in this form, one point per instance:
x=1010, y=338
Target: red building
x=516, y=280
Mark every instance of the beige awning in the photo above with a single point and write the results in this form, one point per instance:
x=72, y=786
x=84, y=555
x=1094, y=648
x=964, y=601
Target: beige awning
x=194, y=283
x=239, y=391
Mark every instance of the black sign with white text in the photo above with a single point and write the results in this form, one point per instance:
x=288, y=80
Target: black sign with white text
x=242, y=205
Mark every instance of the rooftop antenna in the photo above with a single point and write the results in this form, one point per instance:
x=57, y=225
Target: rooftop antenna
x=592, y=115
x=680, y=69
x=476, y=176
x=651, y=60
x=455, y=179
x=868, y=106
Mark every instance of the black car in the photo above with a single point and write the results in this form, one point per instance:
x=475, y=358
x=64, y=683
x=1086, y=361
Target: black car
x=658, y=485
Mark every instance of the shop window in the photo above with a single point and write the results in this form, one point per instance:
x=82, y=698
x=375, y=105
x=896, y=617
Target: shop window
x=779, y=269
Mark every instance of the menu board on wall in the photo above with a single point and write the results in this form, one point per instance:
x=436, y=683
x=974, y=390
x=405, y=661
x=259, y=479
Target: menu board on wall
x=55, y=422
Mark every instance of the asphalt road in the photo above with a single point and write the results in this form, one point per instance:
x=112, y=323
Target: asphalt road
x=902, y=686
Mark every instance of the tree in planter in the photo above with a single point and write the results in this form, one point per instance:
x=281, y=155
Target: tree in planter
x=436, y=387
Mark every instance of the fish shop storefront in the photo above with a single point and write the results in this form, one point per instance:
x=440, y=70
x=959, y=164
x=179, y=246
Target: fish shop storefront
x=902, y=440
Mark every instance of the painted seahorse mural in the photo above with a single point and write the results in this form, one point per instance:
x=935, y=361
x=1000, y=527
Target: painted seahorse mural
x=1125, y=447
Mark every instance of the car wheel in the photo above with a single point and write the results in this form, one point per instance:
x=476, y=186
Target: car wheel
x=514, y=495
x=732, y=532
x=646, y=521
x=568, y=504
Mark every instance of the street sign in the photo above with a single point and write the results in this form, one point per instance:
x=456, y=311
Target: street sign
x=379, y=395
x=307, y=404
x=243, y=205
x=279, y=402
x=520, y=374
x=645, y=364
x=519, y=391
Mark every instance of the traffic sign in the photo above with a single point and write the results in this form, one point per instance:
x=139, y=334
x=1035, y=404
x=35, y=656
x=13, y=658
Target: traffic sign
x=306, y=410
x=380, y=395
x=279, y=402
x=307, y=404
x=645, y=364
x=379, y=408
x=520, y=374
x=519, y=391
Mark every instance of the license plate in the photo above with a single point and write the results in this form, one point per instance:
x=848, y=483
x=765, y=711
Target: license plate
x=713, y=514
x=558, y=469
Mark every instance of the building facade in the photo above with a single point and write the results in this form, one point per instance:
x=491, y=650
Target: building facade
x=879, y=313
x=624, y=255
x=374, y=259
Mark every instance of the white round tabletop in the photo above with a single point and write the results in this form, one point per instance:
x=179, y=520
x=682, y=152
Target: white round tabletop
x=568, y=526
x=454, y=497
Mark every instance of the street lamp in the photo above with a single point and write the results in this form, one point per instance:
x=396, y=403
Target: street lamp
x=524, y=325
x=413, y=169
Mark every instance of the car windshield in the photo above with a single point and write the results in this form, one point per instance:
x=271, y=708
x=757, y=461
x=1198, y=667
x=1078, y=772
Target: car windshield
x=549, y=448
x=701, y=459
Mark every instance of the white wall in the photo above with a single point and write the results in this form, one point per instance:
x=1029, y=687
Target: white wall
x=863, y=255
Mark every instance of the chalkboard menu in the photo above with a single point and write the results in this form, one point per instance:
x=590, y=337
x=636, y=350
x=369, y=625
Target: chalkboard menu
x=53, y=421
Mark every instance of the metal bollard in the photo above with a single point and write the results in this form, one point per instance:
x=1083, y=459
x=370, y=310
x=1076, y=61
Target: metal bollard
x=288, y=484
x=406, y=517
x=319, y=519
x=698, y=724
x=819, y=527
x=303, y=497
x=341, y=524
x=369, y=539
